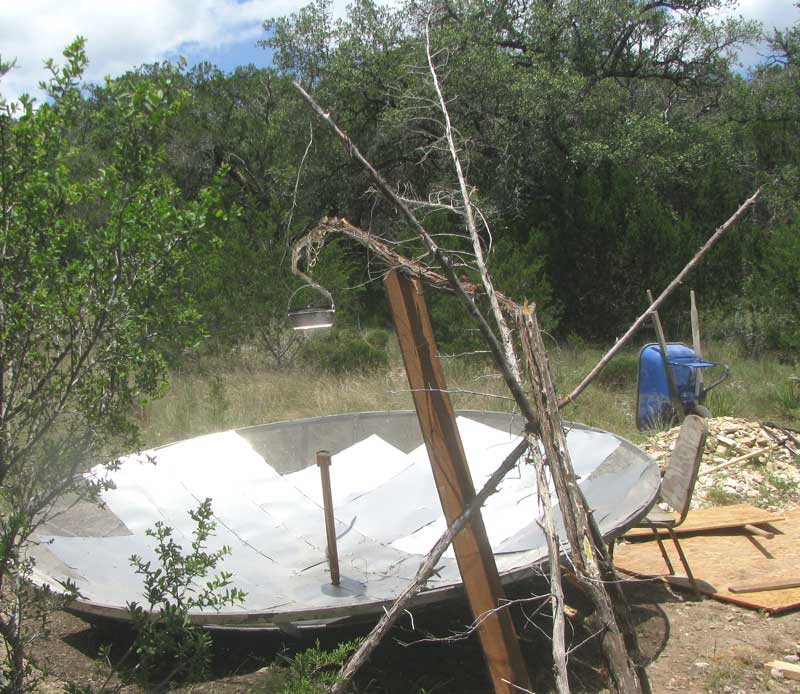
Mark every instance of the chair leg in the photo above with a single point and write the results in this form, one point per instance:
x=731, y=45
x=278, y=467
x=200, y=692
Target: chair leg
x=685, y=563
x=663, y=551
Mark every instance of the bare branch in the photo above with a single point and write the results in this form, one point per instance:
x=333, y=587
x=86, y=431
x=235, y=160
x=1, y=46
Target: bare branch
x=691, y=265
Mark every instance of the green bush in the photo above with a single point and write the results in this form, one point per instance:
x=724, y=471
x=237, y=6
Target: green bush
x=316, y=670
x=620, y=373
x=343, y=350
x=168, y=645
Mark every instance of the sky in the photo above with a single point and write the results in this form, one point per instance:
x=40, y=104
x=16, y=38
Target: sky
x=122, y=35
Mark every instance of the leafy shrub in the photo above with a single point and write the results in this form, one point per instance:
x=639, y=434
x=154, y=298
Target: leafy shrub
x=169, y=646
x=343, y=350
x=316, y=670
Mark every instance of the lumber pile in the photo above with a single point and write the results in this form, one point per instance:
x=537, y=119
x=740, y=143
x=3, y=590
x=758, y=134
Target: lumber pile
x=743, y=461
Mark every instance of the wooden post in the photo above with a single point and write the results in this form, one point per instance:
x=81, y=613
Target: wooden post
x=674, y=398
x=324, y=464
x=454, y=484
x=696, y=345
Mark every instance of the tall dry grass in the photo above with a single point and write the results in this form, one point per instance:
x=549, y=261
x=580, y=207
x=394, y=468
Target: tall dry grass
x=218, y=392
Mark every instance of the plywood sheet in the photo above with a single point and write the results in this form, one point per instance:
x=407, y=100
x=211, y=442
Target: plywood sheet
x=720, y=518
x=725, y=558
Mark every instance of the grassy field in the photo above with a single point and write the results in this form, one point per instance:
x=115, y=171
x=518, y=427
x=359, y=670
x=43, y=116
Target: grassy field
x=219, y=392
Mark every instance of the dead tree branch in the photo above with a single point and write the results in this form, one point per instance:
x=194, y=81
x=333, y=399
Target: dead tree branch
x=588, y=553
x=691, y=265
x=585, y=539
x=469, y=217
x=553, y=550
x=554, y=558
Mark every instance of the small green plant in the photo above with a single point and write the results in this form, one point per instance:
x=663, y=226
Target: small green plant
x=721, y=676
x=721, y=403
x=316, y=670
x=717, y=496
x=776, y=490
x=787, y=398
x=168, y=645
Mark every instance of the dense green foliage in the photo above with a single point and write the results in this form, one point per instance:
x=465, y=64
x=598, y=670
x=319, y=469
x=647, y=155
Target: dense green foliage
x=95, y=243
x=605, y=142
x=600, y=136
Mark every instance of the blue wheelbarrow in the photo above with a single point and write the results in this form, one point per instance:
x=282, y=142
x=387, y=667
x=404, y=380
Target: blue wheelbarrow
x=653, y=404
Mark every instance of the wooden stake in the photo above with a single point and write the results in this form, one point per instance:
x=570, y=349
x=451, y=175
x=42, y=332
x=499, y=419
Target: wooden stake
x=324, y=464
x=674, y=399
x=454, y=484
x=696, y=346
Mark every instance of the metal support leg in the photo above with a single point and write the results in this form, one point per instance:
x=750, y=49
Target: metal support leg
x=663, y=551
x=685, y=563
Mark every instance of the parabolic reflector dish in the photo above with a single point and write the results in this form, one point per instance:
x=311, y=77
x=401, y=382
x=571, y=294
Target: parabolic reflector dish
x=267, y=504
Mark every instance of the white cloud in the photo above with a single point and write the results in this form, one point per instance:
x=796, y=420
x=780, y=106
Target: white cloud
x=122, y=34
x=773, y=14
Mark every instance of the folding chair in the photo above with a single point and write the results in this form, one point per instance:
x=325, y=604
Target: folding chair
x=677, y=485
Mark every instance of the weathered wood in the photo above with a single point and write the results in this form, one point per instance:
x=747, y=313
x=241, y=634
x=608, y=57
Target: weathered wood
x=469, y=218
x=324, y=464
x=453, y=482
x=559, y=607
x=761, y=587
x=696, y=344
x=674, y=399
x=791, y=671
x=593, y=568
x=390, y=258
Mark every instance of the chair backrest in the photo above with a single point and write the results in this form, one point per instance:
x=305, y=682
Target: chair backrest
x=677, y=484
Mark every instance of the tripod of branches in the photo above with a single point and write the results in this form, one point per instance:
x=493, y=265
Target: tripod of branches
x=529, y=380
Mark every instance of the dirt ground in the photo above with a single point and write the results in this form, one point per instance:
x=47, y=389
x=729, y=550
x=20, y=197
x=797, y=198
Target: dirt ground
x=691, y=645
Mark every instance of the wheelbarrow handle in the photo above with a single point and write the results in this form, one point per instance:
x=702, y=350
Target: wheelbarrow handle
x=725, y=372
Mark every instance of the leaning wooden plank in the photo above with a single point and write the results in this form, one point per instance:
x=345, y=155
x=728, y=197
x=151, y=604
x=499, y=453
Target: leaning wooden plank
x=790, y=671
x=437, y=422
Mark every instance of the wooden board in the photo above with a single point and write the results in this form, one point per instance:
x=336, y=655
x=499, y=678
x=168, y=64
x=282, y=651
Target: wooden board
x=720, y=518
x=437, y=421
x=726, y=558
